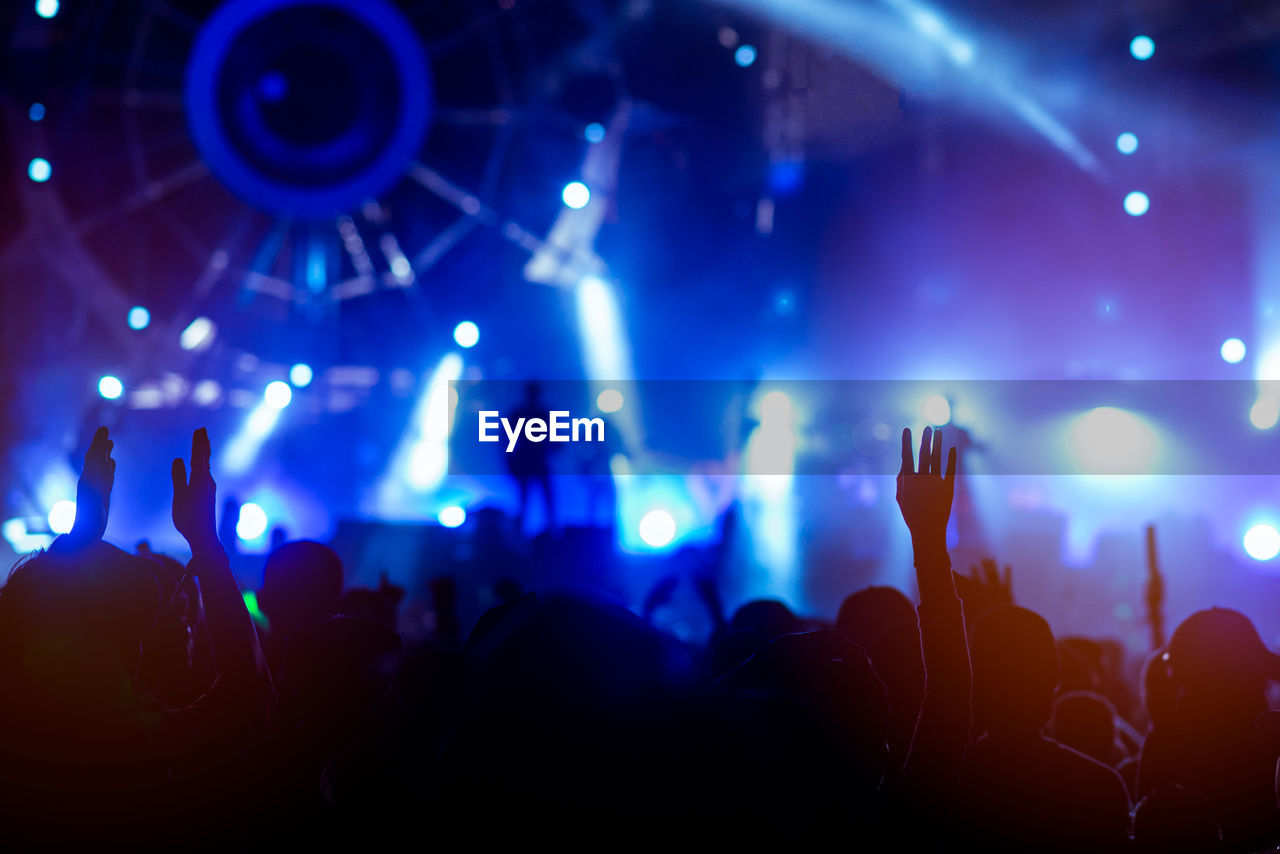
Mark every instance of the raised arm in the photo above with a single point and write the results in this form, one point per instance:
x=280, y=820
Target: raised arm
x=942, y=730
x=243, y=687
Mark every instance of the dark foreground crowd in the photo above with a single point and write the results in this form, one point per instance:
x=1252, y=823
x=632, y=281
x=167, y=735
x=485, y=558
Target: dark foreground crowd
x=141, y=705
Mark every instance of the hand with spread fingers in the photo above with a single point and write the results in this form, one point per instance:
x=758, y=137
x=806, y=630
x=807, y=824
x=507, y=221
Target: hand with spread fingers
x=194, y=497
x=925, y=493
x=93, y=492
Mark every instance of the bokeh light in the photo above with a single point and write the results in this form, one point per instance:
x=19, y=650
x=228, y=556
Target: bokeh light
x=1262, y=542
x=576, y=195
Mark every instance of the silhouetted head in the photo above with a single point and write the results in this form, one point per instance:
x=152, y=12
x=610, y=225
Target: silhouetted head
x=882, y=620
x=301, y=582
x=1015, y=671
x=766, y=618
x=808, y=717
x=1216, y=655
x=1085, y=722
x=71, y=630
x=1172, y=820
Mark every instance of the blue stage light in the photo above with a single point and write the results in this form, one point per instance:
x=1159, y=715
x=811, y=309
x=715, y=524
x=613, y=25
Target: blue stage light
x=46, y=8
x=657, y=528
x=1232, y=351
x=452, y=516
x=62, y=515
x=609, y=400
x=576, y=195
x=594, y=132
x=301, y=375
x=139, y=317
x=252, y=522
x=1136, y=203
x=745, y=55
x=1142, y=47
x=39, y=170
x=277, y=394
x=110, y=387
x=466, y=333
x=1262, y=542
x=36, y=111
x=1127, y=143
x=937, y=410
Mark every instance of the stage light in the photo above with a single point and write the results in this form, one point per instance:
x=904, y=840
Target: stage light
x=1126, y=143
x=252, y=522
x=1136, y=203
x=452, y=516
x=428, y=453
x=39, y=170
x=36, y=111
x=301, y=374
x=1265, y=413
x=576, y=195
x=594, y=132
x=110, y=387
x=15, y=531
x=1232, y=351
x=609, y=400
x=466, y=334
x=745, y=55
x=198, y=334
x=1262, y=542
x=657, y=528
x=277, y=395
x=46, y=8
x=1108, y=440
x=139, y=317
x=937, y=410
x=206, y=393
x=62, y=515
x=1142, y=47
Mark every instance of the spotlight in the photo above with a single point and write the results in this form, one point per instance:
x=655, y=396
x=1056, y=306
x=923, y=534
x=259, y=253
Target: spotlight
x=110, y=387
x=1262, y=542
x=62, y=515
x=252, y=522
x=301, y=375
x=1126, y=143
x=609, y=400
x=1232, y=350
x=576, y=195
x=1265, y=413
x=206, y=393
x=139, y=317
x=937, y=410
x=39, y=170
x=198, y=335
x=657, y=528
x=594, y=132
x=46, y=8
x=36, y=111
x=277, y=395
x=1136, y=203
x=452, y=516
x=466, y=333
x=1108, y=440
x=1142, y=47
x=745, y=55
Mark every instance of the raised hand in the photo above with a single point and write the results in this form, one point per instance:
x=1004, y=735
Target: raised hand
x=925, y=494
x=985, y=588
x=93, y=492
x=193, y=499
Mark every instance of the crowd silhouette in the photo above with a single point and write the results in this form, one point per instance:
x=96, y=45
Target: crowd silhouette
x=143, y=703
